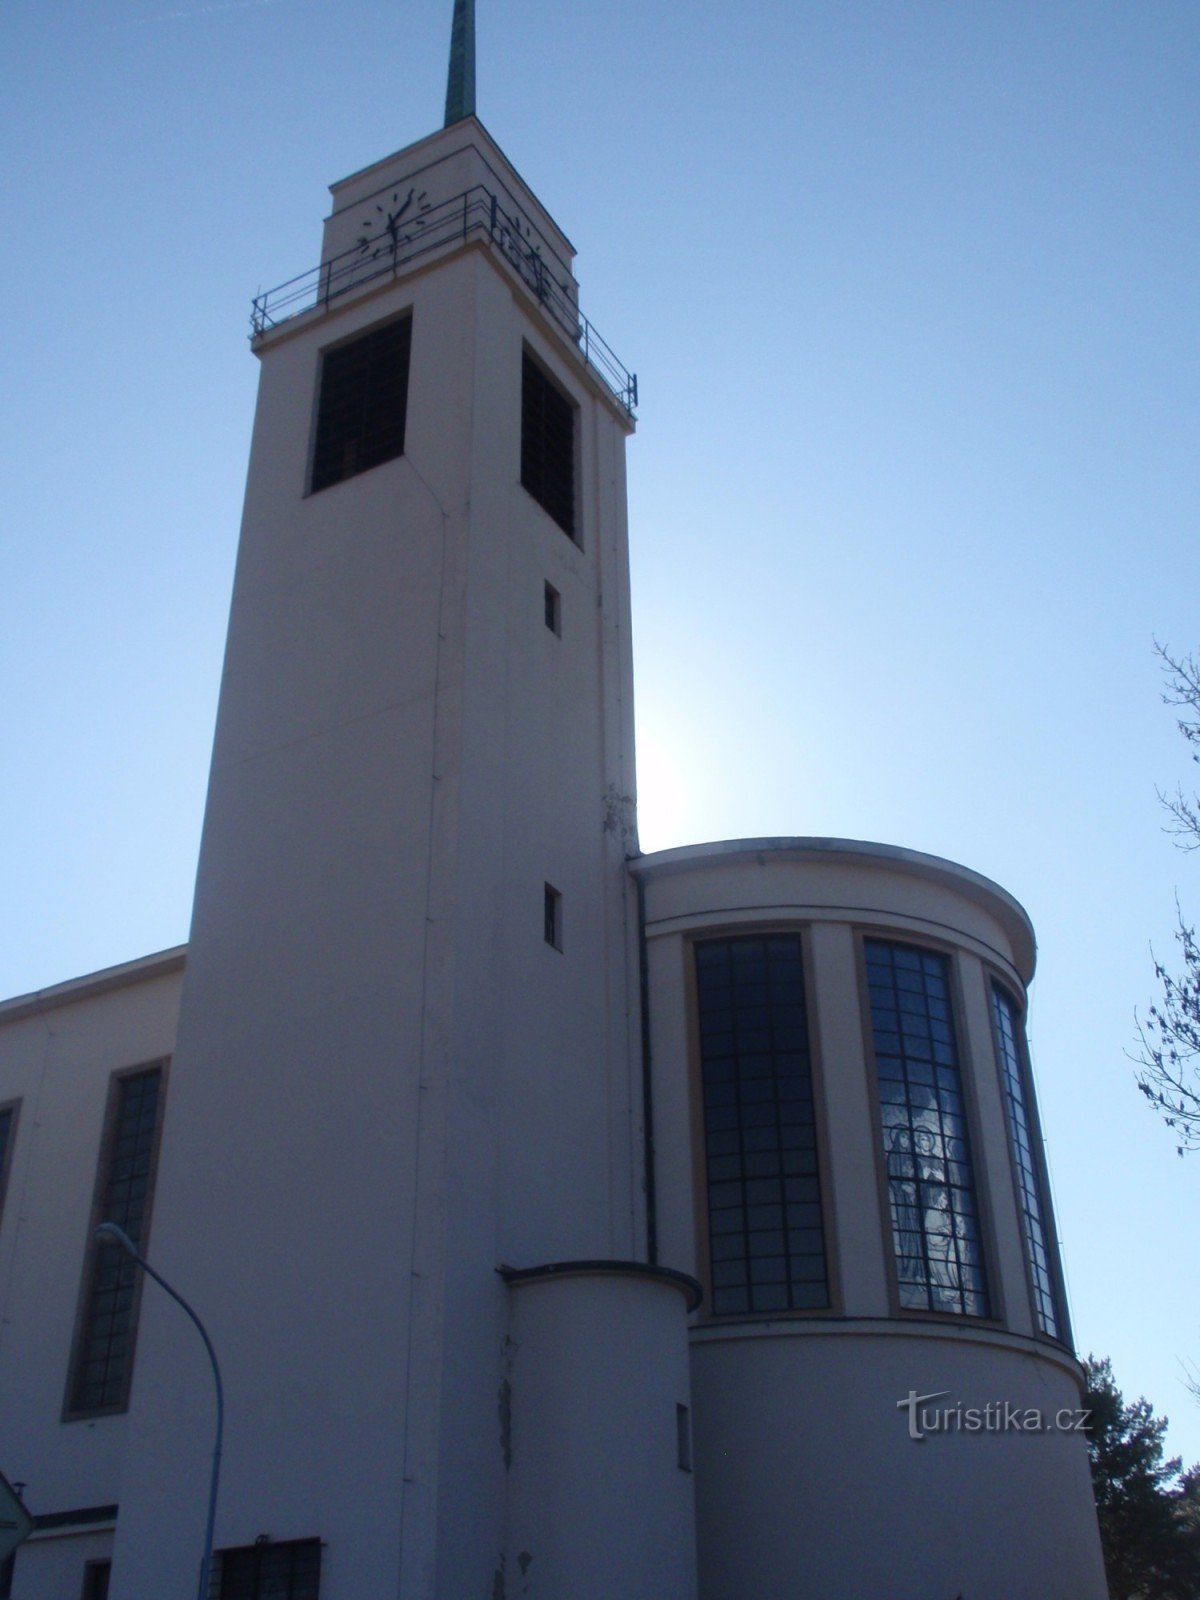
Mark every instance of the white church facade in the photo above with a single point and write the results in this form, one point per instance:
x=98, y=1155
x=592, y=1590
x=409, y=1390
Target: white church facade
x=569, y=1223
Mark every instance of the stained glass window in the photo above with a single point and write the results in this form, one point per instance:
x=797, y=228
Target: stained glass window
x=931, y=1189
x=1034, y=1213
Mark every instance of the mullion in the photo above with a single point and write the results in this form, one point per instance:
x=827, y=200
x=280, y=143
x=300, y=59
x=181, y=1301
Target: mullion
x=736, y=995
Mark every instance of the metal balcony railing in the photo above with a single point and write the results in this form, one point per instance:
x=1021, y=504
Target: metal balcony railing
x=474, y=214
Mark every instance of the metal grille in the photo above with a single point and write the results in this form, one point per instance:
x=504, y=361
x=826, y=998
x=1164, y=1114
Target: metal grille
x=363, y=405
x=548, y=445
x=1008, y=1048
x=935, y=1218
x=766, y=1232
x=101, y=1370
x=290, y=1570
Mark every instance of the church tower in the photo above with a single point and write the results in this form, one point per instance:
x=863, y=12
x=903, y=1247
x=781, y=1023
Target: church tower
x=409, y=1033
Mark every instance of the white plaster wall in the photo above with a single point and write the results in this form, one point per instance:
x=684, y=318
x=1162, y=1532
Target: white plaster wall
x=598, y=1503
x=51, y=1567
x=808, y=1483
x=542, y=1038
x=58, y=1060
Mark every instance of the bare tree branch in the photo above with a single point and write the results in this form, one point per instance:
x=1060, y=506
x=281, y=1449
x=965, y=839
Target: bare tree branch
x=1170, y=1032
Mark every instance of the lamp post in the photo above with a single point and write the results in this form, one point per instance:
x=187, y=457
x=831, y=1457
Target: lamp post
x=111, y=1233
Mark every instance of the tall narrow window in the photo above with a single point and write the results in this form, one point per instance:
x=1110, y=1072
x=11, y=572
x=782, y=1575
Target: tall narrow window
x=548, y=444
x=766, y=1233
x=553, y=611
x=552, y=915
x=1030, y=1199
x=95, y=1580
x=289, y=1570
x=931, y=1190
x=683, y=1438
x=363, y=404
x=102, y=1362
x=8, y=1127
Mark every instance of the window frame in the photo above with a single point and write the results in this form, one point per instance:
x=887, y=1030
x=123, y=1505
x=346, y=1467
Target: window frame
x=995, y=1316
x=91, y=1251
x=995, y=980
x=721, y=933
x=336, y=347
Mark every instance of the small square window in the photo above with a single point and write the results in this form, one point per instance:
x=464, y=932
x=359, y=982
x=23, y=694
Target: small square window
x=553, y=610
x=548, y=444
x=553, y=916
x=363, y=404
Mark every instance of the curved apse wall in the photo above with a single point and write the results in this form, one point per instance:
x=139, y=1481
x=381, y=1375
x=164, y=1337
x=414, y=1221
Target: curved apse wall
x=847, y=1157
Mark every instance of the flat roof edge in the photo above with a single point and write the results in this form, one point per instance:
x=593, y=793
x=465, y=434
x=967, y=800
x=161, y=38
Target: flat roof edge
x=141, y=970
x=916, y=863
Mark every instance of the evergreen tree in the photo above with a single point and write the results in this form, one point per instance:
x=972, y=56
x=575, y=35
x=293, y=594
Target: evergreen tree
x=1149, y=1510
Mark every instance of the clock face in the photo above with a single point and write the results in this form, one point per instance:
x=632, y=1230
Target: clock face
x=393, y=224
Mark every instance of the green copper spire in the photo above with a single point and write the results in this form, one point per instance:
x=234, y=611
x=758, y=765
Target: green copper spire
x=460, y=85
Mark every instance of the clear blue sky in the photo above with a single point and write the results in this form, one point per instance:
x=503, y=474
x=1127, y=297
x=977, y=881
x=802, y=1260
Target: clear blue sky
x=910, y=286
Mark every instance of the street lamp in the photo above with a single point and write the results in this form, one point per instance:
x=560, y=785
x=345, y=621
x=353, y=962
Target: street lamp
x=111, y=1233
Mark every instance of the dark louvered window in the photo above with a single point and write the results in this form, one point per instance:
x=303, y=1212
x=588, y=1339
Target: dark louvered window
x=548, y=445
x=290, y=1570
x=766, y=1233
x=364, y=400
x=931, y=1188
x=103, y=1357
